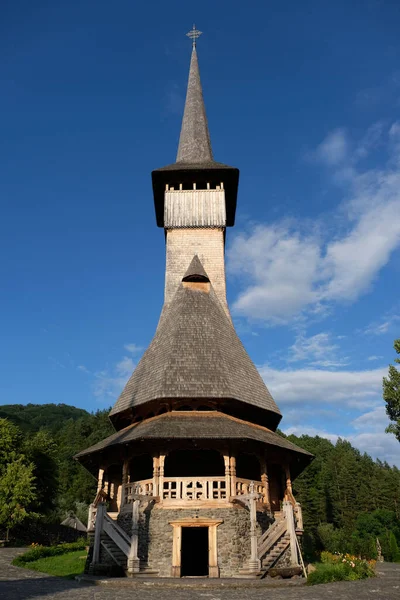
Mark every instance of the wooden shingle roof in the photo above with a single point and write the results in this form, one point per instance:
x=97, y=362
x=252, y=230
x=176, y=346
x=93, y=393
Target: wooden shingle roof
x=195, y=425
x=196, y=354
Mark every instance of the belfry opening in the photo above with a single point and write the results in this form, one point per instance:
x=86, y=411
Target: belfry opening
x=195, y=481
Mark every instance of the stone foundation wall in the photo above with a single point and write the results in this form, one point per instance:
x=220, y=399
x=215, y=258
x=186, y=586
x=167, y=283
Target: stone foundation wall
x=233, y=535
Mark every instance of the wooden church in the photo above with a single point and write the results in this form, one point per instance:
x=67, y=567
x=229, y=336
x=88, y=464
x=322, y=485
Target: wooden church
x=195, y=481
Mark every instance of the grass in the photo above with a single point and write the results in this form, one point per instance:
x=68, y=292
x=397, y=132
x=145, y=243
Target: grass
x=64, y=565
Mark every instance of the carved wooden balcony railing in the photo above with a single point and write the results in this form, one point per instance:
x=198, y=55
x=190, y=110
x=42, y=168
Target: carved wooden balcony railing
x=171, y=490
x=194, y=488
x=145, y=487
x=242, y=486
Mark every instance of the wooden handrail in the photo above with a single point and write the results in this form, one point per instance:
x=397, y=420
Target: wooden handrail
x=271, y=536
x=118, y=535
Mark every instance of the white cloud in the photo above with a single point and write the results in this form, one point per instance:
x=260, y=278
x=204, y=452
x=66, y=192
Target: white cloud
x=282, y=265
x=110, y=382
x=381, y=327
x=317, y=386
x=289, y=271
x=374, y=357
x=133, y=348
x=107, y=385
x=377, y=444
x=311, y=431
x=125, y=366
x=373, y=420
x=318, y=349
x=334, y=148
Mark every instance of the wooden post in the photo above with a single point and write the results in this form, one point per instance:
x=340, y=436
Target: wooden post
x=254, y=562
x=133, y=559
x=233, y=475
x=125, y=480
x=91, y=514
x=125, y=472
x=288, y=511
x=156, y=475
x=265, y=482
x=176, y=551
x=100, y=480
x=213, y=570
x=289, y=491
x=227, y=475
x=161, y=477
x=101, y=509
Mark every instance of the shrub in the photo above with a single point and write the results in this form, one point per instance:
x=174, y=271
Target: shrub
x=38, y=551
x=341, y=567
x=327, y=572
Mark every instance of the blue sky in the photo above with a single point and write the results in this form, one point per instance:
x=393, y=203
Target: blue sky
x=303, y=97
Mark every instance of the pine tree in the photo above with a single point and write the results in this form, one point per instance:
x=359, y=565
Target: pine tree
x=391, y=394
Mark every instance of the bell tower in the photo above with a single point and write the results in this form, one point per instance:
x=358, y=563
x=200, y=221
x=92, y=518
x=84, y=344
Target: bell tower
x=195, y=472
x=195, y=197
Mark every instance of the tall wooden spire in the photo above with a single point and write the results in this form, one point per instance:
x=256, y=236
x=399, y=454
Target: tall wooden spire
x=194, y=142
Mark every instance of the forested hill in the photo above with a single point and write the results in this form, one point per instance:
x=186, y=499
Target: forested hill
x=348, y=498
x=33, y=417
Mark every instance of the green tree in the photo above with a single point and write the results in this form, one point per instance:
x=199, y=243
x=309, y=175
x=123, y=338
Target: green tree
x=394, y=552
x=391, y=394
x=41, y=450
x=17, y=491
x=10, y=442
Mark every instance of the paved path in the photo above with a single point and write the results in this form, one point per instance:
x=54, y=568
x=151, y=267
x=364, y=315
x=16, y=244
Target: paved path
x=22, y=584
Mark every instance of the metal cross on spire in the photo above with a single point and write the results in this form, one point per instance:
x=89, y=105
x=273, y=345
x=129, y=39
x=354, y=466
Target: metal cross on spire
x=194, y=34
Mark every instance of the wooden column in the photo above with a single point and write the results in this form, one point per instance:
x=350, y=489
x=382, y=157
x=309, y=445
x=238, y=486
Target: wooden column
x=233, y=475
x=106, y=484
x=265, y=482
x=288, y=510
x=176, y=551
x=288, y=482
x=101, y=509
x=156, y=475
x=161, y=476
x=133, y=559
x=100, y=480
x=91, y=518
x=125, y=472
x=213, y=569
x=227, y=475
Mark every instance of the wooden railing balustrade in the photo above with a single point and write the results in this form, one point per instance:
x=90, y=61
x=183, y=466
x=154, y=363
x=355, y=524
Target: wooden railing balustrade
x=243, y=485
x=212, y=489
x=194, y=488
x=145, y=487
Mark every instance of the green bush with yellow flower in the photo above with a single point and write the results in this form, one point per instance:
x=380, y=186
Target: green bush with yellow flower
x=341, y=567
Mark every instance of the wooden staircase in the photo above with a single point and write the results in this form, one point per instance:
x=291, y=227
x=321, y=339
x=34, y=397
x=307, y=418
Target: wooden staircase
x=279, y=537
x=119, y=557
x=273, y=555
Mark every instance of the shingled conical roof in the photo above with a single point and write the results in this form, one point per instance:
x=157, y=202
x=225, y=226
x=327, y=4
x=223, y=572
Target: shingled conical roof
x=194, y=142
x=194, y=354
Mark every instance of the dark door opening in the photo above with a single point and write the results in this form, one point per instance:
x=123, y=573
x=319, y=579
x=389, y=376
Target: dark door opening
x=194, y=554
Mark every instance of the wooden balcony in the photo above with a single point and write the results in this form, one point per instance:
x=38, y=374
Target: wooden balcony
x=189, y=491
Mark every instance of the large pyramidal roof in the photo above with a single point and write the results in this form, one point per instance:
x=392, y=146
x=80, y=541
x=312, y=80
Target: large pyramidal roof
x=196, y=353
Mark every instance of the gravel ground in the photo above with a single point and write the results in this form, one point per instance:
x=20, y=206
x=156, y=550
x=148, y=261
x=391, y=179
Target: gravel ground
x=22, y=584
